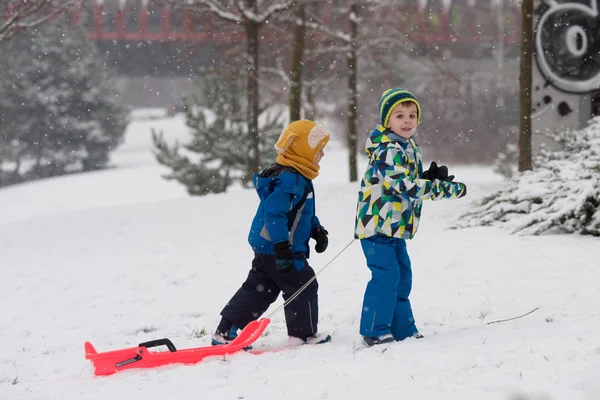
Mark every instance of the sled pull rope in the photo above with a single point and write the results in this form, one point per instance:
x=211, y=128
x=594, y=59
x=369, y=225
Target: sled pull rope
x=309, y=282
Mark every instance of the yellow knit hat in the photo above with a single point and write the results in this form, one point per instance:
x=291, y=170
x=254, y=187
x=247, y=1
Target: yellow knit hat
x=298, y=145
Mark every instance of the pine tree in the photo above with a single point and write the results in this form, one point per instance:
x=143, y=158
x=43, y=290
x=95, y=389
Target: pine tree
x=562, y=193
x=217, y=154
x=61, y=113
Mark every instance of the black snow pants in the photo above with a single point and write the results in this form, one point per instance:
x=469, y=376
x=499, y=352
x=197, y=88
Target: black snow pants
x=261, y=289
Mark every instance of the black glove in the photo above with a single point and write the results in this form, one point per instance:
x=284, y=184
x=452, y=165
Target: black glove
x=284, y=258
x=436, y=172
x=320, y=235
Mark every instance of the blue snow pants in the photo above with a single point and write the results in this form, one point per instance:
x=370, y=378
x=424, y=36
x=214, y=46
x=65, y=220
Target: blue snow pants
x=386, y=308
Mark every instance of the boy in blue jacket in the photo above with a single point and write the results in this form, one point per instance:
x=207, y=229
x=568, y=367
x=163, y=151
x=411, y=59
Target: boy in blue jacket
x=279, y=235
x=389, y=207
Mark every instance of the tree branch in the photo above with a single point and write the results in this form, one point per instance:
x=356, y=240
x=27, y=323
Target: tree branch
x=245, y=13
x=213, y=6
x=275, y=9
x=28, y=14
x=322, y=28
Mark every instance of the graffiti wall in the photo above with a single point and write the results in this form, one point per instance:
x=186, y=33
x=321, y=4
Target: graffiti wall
x=566, y=76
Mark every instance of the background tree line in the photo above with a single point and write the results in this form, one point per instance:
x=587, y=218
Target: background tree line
x=345, y=55
x=333, y=63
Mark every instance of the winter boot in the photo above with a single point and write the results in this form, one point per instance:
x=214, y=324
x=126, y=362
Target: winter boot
x=318, y=338
x=374, y=340
x=221, y=338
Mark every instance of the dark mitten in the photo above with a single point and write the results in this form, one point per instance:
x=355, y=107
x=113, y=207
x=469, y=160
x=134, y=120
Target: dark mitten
x=320, y=235
x=284, y=258
x=442, y=174
x=431, y=172
x=434, y=172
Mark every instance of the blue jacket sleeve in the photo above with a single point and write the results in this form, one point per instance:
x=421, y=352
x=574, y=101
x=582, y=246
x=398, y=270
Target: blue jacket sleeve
x=276, y=205
x=315, y=223
x=315, y=220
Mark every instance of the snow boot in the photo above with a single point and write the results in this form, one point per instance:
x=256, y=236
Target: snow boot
x=318, y=338
x=220, y=338
x=375, y=340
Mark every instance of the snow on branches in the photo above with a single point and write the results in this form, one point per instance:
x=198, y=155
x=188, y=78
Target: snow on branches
x=561, y=194
x=19, y=15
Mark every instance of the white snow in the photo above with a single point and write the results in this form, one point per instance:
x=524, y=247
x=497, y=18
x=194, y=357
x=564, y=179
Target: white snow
x=122, y=256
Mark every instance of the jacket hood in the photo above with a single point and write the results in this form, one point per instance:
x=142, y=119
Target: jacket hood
x=261, y=184
x=381, y=135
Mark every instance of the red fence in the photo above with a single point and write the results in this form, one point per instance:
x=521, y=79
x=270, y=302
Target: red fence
x=427, y=22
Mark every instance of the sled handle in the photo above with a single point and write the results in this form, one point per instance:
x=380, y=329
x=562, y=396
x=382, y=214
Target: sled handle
x=159, y=342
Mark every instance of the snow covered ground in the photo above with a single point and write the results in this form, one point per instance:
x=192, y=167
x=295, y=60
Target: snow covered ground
x=122, y=256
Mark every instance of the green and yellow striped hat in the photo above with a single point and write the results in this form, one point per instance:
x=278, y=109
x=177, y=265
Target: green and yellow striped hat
x=390, y=99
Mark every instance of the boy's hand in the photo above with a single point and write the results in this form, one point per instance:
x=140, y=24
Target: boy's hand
x=435, y=172
x=284, y=258
x=320, y=235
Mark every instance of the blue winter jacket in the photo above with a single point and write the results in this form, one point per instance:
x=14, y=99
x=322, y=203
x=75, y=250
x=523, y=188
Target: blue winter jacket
x=280, y=196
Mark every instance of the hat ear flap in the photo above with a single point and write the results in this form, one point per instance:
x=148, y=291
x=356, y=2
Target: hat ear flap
x=316, y=136
x=285, y=140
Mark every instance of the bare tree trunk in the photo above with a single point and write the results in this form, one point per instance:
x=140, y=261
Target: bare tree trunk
x=296, y=67
x=252, y=34
x=352, y=93
x=248, y=15
x=310, y=92
x=525, y=82
x=310, y=108
x=500, y=48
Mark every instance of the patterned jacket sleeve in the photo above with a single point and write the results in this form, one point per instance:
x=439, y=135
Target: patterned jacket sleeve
x=393, y=169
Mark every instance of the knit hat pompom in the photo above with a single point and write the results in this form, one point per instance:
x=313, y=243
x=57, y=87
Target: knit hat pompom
x=390, y=99
x=303, y=138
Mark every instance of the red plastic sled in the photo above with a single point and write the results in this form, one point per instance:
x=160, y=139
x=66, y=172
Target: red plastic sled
x=109, y=362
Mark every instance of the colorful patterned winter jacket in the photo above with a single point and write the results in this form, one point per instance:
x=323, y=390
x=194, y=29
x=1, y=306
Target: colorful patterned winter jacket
x=392, y=190
x=286, y=211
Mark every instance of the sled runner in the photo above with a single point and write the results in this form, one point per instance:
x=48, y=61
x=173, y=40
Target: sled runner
x=109, y=362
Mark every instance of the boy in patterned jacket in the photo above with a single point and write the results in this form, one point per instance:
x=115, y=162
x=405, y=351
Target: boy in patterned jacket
x=282, y=227
x=389, y=206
